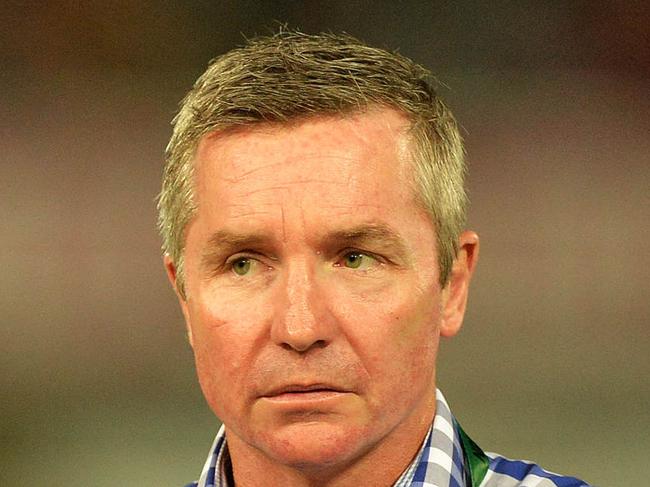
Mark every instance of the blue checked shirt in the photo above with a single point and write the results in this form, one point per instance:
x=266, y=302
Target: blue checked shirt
x=447, y=458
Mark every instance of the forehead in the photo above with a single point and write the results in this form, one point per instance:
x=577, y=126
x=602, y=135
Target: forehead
x=357, y=135
x=332, y=166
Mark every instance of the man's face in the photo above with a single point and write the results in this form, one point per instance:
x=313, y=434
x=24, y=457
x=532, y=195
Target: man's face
x=313, y=304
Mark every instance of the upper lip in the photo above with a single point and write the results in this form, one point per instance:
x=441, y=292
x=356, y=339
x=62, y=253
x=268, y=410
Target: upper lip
x=288, y=388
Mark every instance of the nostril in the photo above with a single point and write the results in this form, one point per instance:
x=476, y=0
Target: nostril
x=302, y=347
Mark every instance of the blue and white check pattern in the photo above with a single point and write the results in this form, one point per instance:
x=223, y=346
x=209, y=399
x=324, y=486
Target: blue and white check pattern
x=439, y=463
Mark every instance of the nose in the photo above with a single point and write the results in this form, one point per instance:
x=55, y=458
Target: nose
x=301, y=318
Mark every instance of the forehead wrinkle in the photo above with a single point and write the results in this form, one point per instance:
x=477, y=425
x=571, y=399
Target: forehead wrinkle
x=287, y=184
x=253, y=212
x=356, y=206
x=243, y=175
x=239, y=160
x=283, y=223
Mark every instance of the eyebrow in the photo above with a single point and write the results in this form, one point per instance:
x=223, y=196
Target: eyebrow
x=371, y=234
x=377, y=236
x=224, y=242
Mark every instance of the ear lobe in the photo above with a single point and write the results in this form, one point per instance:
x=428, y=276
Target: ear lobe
x=457, y=288
x=170, y=267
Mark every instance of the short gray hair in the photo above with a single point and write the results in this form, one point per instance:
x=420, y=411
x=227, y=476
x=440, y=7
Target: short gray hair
x=291, y=75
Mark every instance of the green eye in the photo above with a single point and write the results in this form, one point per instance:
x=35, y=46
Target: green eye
x=241, y=266
x=353, y=260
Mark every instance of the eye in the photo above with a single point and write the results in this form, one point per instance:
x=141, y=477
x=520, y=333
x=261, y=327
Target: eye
x=358, y=260
x=241, y=266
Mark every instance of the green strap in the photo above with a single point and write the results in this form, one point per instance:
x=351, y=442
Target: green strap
x=476, y=460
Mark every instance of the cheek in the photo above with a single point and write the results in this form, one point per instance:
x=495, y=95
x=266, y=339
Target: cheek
x=226, y=323
x=226, y=337
x=396, y=328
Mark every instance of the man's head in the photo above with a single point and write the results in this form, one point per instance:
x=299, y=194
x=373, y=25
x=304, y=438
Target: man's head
x=292, y=76
x=308, y=213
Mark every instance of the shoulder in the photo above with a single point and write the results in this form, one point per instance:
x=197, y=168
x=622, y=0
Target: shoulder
x=503, y=472
x=192, y=484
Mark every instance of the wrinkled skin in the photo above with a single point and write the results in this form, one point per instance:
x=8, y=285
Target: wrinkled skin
x=313, y=304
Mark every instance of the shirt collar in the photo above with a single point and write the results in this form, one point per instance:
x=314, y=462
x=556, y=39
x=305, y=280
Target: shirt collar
x=439, y=462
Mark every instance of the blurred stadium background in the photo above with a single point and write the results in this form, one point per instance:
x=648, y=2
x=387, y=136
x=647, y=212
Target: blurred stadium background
x=97, y=382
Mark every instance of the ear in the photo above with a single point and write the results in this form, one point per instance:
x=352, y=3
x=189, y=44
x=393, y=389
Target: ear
x=454, y=294
x=170, y=267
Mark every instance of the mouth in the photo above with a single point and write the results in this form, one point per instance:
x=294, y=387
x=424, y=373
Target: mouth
x=307, y=392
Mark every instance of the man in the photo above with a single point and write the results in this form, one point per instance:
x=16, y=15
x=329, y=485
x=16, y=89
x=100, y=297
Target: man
x=312, y=213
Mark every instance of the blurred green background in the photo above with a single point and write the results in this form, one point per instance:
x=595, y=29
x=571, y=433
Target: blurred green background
x=97, y=382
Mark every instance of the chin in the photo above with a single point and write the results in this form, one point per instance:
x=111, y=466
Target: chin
x=313, y=446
